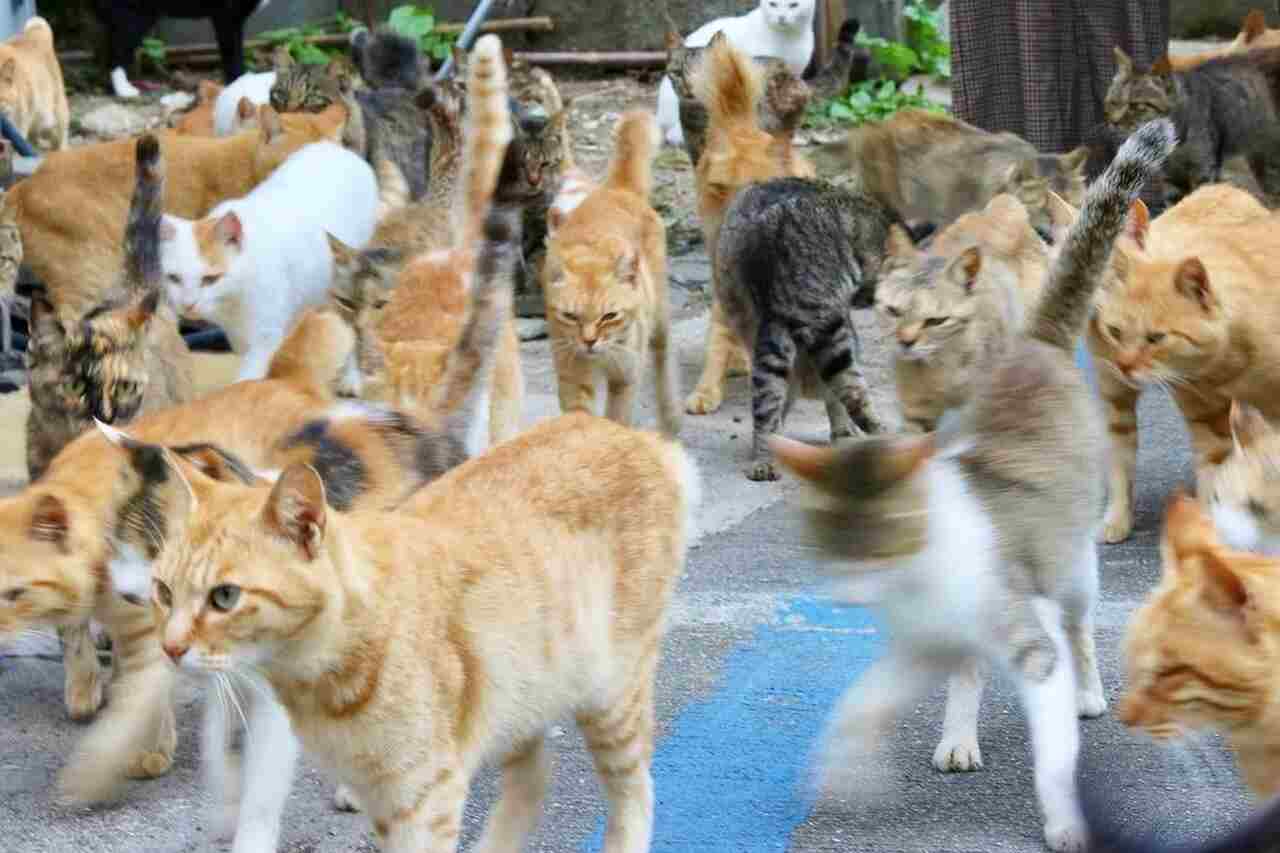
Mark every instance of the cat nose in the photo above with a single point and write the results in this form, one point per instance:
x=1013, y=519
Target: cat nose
x=175, y=650
x=907, y=343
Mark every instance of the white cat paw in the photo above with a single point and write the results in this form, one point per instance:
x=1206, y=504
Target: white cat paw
x=1090, y=703
x=1065, y=838
x=344, y=800
x=222, y=821
x=957, y=756
x=121, y=86
x=1117, y=526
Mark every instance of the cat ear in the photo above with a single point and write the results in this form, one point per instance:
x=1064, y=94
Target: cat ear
x=141, y=312
x=1192, y=281
x=43, y=319
x=628, y=269
x=1138, y=222
x=1018, y=173
x=1224, y=590
x=281, y=58
x=8, y=70
x=898, y=244
x=343, y=255
x=1061, y=215
x=229, y=231
x=216, y=464
x=245, y=110
x=1124, y=65
x=1162, y=67
x=50, y=521
x=719, y=40
x=207, y=91
x=1247, y=425
x=965, y=268
x=822, y=465
x=1074, y=160
x=269, y=127
x=1255, y=24
x=296, y=508
x=807, y=461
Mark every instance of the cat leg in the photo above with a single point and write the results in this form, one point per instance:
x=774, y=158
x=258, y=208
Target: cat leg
x=219, y=765
x=621, y=742
x=958, y=750
x=575, y=379
x=623, y=378
x=1209, y=422
x=835, y=360
x=838, y=415
x=1078, y=616
x=270, y=755
x=506, y=400
x=83, y=674
x=421, y=813
x=1042, y=661
x=666, y=381
x=1121, y=402
x=721, y=340
x=525, y=775
x=345, y=799
x=771, y=371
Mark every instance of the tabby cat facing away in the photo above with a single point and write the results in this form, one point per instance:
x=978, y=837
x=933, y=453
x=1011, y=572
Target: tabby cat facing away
x=605, y=282
x=1011, y=486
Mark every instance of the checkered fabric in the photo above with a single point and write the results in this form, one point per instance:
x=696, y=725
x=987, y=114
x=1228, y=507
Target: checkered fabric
x=1040, y=68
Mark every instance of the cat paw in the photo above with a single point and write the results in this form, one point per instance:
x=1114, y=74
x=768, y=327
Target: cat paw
x=1116, y=527
x=1090, y=703
x=739, y=364
x=961, y=756
x=149, y=764
x=84, y=696
x=703, y=401
x=1065, y=838
x=223, y=819
x=344, y=800
x=762, y=472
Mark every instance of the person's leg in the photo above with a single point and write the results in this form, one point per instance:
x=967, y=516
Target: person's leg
x=127, y=24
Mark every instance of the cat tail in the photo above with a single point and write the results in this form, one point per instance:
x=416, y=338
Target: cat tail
x=393, y=189
x=1107, y=830
x=461, y=396
x=314, y=352
x=1059, y=316
x=637, y=141
x=146, y=209
x=487, y=132
x=729, y=83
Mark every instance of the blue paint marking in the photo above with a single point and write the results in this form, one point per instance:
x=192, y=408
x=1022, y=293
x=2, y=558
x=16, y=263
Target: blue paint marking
x=732, y=773
x=1086, y=364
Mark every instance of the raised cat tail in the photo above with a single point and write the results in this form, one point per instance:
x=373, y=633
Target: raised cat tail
x=146, y=208
x=462, y=393
x=487, y=132
x=636, y=145
x=1077, y=270
x=729, y=84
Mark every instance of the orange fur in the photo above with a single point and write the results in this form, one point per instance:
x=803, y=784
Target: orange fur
x=32, y=94
x=77, y=257
x=1253, y=34
x=199, y=121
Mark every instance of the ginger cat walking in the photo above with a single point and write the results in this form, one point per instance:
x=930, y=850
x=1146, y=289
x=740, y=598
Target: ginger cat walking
x=32, y=94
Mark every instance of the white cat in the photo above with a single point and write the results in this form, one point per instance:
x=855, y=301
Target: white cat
x=781, y=28
x=254, y=86
x=255, y=263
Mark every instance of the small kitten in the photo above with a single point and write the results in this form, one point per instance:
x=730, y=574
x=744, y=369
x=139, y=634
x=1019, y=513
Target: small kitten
x=32, y=95
x=980, y=537
x=1244, y=495
x=253, y=264
x=794, y=258
x=605, y=283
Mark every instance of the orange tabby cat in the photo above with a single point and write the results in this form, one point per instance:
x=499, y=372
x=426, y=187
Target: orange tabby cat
x=32, y=95
x=198, y=121
x=1190, y=304
x=738, y=152
x=605, y=282
x=77, y=256
x=391, y=642
x=1199, y=650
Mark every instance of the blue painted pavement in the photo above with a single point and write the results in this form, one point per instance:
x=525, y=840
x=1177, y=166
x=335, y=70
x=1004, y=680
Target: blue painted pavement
x=732, y=773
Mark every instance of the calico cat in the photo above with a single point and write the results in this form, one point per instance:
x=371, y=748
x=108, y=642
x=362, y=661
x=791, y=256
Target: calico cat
x=1245, y=492
x=605, y=282
x=738, y=153
x=987, y=527
x=199, y=119
x=76, y=257
x=371, y=626
x=254, y=263
x=794, y=257
x=1223, y=107
x=776, y=28
x=32, y=95
x=953, y=305
x=934, y=168
x=1189, y=306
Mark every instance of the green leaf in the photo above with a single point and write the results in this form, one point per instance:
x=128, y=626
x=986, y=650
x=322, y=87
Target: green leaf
x=309, y=54
x=840, y=110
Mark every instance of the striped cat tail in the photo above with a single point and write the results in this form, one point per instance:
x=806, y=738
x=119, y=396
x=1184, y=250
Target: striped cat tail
x=487, y=133
x=729, y=83
x=393, y=189
x=1077, y=270
x=636, y=144
x=146, y=208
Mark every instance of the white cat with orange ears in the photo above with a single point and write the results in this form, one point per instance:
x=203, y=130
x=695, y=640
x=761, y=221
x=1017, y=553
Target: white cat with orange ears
x=254, y=264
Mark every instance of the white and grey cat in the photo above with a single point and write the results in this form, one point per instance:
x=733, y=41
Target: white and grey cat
x=977, y=542
x=255, y=263
x=780, y=28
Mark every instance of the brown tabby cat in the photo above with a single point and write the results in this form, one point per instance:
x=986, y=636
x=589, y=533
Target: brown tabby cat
x=76, y=257
x=605, y=283
x=390, y=641
x=32, y=95
x=1190, y=305
x=738, y=152
x=1199, y=649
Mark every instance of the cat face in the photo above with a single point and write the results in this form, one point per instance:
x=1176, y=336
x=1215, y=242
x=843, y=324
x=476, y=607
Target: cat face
x=1134, y=97
x=1245, y=494
x=248, y=574
x=303, y=88
x=1032, y=180
x=787, y=15
x=197, y=260
x=360, y=293
x=926, y=300
x=1195, y=651
x=594, y=297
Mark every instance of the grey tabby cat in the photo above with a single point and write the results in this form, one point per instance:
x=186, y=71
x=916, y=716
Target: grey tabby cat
x=1224, y=107
x=977, y=542
x=793, y=258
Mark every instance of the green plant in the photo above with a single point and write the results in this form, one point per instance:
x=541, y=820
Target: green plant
x=925, y=51
x=295, y=39
x=153, y=49
x=419, y=23
x=870, y=100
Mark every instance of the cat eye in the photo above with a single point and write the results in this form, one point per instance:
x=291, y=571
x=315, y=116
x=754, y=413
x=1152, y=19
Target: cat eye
x=380, y=304
x=892, y=312
x=224, y=597
x=344, y=303
x=163, y=595
x=209, y=280
x=936, y=321
x=1115, y=332
x=12, y=595
x=1155, y=337
x=609, y=317
x=1256, y=508
x=173, y=278
x=568, y=316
